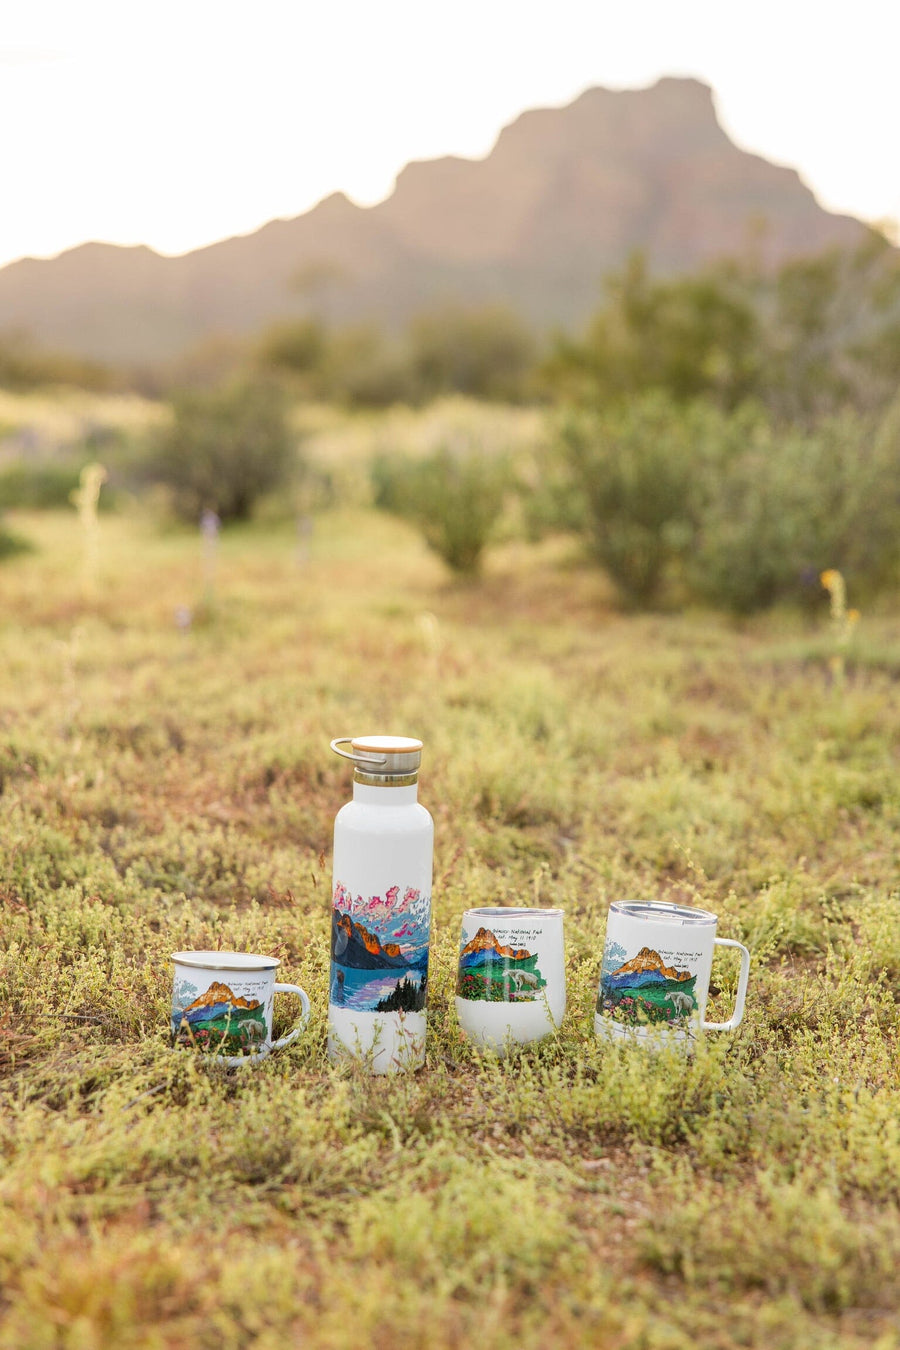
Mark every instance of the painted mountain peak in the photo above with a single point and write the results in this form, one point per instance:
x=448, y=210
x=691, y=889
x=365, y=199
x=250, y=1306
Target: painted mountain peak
x=220, y=993
x=648, y=961
x=219, y=1020
x=646, y=991
x=490, y=971
x=396, y=917
x=485, y=941
x=371, y=942
x=356, y=947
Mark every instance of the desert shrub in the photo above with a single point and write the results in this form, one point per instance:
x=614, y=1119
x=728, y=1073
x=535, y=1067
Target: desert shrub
x=362, y=369
x=550, y=499
x=208, y=364
x=742, y=512
x=12, y=544
x=692, y=336
x=833, y=332
x=224, y=449
x=297, y=346
x=789, y=504
x=24, y=366
x=36, y=487
x=755, y=537
x=454, y=496
x=485, y=353
x=356, y=366
x=631, y=468
x=808, y=339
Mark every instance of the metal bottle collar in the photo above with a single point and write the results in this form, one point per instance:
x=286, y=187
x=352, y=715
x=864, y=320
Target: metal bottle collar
x=382, y=761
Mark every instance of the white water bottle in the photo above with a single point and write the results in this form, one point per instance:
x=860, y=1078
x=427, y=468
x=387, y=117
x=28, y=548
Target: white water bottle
x=381, y=908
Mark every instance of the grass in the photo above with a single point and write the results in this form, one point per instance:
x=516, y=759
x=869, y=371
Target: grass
x=167, y=787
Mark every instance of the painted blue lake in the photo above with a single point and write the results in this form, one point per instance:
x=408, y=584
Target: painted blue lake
x=363, y=989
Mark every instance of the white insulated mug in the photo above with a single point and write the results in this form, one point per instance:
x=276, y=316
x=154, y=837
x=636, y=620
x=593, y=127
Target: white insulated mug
x=381, y=908
x=657, y=963
x=222, y=1005
x=511, y=977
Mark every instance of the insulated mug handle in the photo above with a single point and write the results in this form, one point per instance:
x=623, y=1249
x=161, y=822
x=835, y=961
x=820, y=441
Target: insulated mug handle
x=741, y=989
x=304, y=1001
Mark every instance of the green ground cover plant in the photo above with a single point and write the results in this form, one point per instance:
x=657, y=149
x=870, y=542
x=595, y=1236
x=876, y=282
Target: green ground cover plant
x=168, y=785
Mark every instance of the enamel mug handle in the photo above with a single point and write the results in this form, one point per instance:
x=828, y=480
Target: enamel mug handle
x=304, y=1002
x=741, y=989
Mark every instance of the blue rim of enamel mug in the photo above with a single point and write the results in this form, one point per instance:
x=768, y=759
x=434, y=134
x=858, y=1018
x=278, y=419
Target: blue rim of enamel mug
x=226, y=960
x=661, y=911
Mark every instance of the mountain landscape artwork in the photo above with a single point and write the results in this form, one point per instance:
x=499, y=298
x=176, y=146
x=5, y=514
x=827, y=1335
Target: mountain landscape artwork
x=218, y=1020
x=379, y=950
x=496, y=973
x=646, y=990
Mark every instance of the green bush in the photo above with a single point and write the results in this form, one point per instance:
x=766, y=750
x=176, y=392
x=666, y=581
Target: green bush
x=12, y=544
x=454, y=497
x=484, y=353
x=809, y=339
x=740, y=512
x=224, y=449
x=550, y=500
x=631, y=467
x=24, y=366
x=296, y=346
x=754, y=537
x=36, y=487
x=354, y=366
x=693, y=336
x=772, y=517
x=361, y=369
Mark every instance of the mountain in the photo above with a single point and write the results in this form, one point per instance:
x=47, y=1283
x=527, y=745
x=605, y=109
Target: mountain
x=564, y=196
x=355, y=947
x=485, y=944
x=220, y=993
x=645, y=969
x=218, y=1002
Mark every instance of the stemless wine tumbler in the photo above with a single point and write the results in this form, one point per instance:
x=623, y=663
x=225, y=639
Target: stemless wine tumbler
x=222, y=1004
x=654, y=980
x=511, y=982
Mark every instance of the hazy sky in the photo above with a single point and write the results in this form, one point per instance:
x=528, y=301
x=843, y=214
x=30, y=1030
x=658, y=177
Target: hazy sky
x=177, y=122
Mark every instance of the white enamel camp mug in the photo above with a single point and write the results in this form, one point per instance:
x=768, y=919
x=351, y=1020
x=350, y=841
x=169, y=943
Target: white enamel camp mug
x=657, y=963
x=511, y=979
x=222, y=1005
